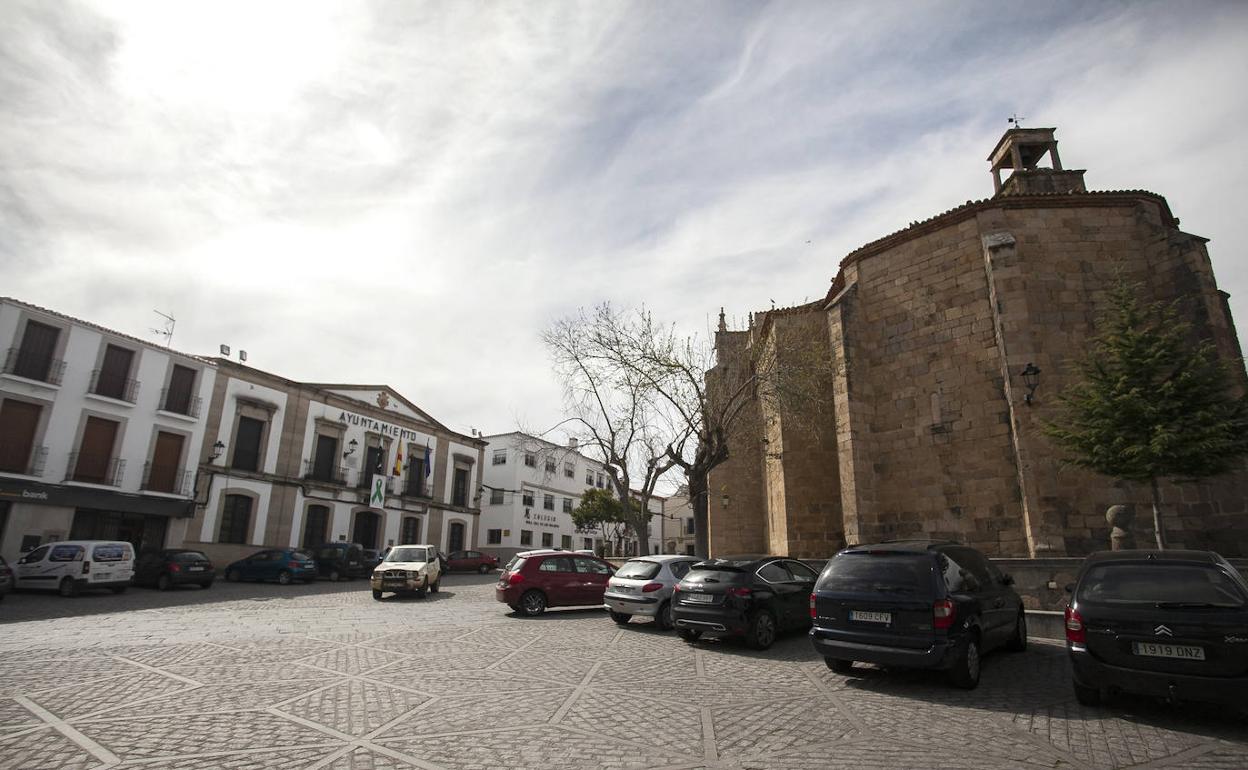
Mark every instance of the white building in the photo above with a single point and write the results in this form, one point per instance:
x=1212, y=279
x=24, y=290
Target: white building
x=678, y=528
x=531, y=487
x=100, y=433
x=293, y=464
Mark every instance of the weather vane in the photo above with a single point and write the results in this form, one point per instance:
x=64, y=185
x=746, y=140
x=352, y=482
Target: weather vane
x=1016, y=120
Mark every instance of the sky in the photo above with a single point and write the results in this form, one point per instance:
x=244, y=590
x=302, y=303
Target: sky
x=408, y=193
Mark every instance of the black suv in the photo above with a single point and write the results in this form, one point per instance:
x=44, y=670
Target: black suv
x=756, y=597
x=915, y=604
x=1171, y=624
x=341, y=560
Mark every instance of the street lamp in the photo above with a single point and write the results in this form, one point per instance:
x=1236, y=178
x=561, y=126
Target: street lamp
x=1031, y=378
x=352, y=446
x=218, y=449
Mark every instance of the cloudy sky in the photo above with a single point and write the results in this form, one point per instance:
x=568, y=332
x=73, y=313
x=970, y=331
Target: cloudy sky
x=408, y=192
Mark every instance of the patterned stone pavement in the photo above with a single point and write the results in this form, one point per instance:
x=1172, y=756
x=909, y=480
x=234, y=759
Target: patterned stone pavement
x=322, y=677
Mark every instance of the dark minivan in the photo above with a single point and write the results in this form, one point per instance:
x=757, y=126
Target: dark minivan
x=755, y=597
x=915, y=604
x=342, y=560
x=1172, y=624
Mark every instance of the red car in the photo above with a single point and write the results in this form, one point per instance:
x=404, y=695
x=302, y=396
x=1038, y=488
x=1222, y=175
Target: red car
x=535, y=580
x=472, y=561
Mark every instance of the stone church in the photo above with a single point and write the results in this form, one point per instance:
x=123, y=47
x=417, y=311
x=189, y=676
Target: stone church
x=949, y=343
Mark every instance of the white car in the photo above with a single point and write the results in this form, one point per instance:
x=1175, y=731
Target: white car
x=71, y=566
x=407, y=569
x=643, y=587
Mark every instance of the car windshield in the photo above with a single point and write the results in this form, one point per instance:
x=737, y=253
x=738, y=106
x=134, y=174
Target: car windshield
x=515, y=564
x=1166, y=585
x=408, y=553
x=639, y=569
x=184, y=556
x=891, y=573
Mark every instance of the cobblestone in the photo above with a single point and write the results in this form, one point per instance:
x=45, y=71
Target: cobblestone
x=322, y=677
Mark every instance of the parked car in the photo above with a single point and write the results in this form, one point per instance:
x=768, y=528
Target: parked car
x=342, y=560
x=1172, y=624
x=755, y=597
x=407, y=569
x=6, y=578
x=915, y=604
x=643, y=586
x=471, y=561
x=72, y=566
x=173, y=567
x=536, y=580
x=371, y=557
x=284, y=566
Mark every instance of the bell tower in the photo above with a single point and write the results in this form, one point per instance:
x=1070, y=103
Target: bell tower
x=1022, y=150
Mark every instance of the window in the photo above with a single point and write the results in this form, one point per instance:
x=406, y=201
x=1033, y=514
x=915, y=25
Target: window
x=247, y=444
x=548, y=539
x=680, y=569
x=555, y=563
x=548, y=502
x=19, y=422
x=411, y=530
x=602, y=483
x=689, y=549
x=526, y=537
x=314, y=526
x=179, y=395
x=591, y=566
x=325, y=461
x=530, y=459
x=565, y=542
x=494, y=536
x=550, y=465
x=496, y=497
x=589, y=476
x=569, y=470
x=801, y=571
x=235, y=519
x=500, y=457
x=689, y=526
x=589, y=544
x=774, y=573
x=527, y=499
x=416, y=477
x=112, y=379
x=66, y=553
x=459, y=489
x=567, y=505
x=33, y=359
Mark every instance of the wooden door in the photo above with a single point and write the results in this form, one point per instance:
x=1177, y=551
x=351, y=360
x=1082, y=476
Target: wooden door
x=95, y=453
x=18, y=422
x=165, y=462
x=34, y=358
x=181, y=384
x=114, y=373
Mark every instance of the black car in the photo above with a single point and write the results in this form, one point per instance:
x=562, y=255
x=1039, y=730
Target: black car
x=1172, y=624
x=757, y=597
x=341, y=560
x=915, y=604
x=173, y=567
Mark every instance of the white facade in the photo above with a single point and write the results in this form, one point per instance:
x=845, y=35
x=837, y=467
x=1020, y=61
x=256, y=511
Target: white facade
x=100, y=433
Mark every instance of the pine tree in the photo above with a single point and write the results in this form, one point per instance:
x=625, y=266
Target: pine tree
x=1152, y=402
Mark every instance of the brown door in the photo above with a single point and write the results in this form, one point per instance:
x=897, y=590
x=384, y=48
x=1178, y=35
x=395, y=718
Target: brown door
x=164, y=474
x=34, y=358
x=114, y=373
x=96, y=451
x=181, y=383
x=18, y=423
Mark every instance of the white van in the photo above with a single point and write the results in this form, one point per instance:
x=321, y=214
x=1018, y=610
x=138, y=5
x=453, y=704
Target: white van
x=72, y=565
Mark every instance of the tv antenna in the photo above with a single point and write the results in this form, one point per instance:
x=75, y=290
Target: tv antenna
x=1016, y=120
x=167, y=331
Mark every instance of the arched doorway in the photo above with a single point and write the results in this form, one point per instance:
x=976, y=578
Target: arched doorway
x=367, y=524
x=455, y=542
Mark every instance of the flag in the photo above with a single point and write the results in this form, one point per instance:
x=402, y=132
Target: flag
x=428, y=462
x=398, y=461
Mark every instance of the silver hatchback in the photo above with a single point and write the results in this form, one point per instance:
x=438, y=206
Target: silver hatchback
x=643, y=586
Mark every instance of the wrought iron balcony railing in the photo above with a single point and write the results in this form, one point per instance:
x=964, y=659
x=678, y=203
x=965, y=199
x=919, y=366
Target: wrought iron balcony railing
x=335, y=474
x=95, y=469
x=114, y=386
x=34, y=366
x=180, y=402
x=22, y=459
x=160, y=477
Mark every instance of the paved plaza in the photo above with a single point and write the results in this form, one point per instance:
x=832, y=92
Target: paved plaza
x=323, y=676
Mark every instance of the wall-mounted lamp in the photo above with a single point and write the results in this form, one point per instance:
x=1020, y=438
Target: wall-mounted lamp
x=1031, y=378
x=218, y=449
x=352, y=446
x=724, y=500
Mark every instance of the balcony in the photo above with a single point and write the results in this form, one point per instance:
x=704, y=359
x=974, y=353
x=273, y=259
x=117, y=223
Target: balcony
x=115, y=386
x=95, y=469
x=34, y=366
x=333, y=474
x=23, y=460
x=180, y=402
x=160, y=477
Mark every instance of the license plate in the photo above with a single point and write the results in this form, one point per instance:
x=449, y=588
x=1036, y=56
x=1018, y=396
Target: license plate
x=622, y=589
x=194, y=569
x=1157, y=650
x=871, y=617
x=700, y=598
x=395, y=583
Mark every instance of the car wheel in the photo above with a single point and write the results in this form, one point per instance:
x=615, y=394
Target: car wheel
x=664, y=618
x=420, y=593
x=839, y=666
x=533, y=603
x=965, y=672
x=435, y=585
x=377, y=594
x=233, y=576
x=1018, y=642
x=620, y=617
x=206, y=584
x=483, y=569
x=1087, y=696
x=334, y=576
x=68, y=587
x=689, y=634
x=284, y=578
x=762, y=631
x=163, y=582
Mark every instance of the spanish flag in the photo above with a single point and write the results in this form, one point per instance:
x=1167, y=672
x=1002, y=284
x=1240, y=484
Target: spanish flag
x=398, y=461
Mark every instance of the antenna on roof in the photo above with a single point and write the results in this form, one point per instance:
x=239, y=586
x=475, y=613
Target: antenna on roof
x=1016, y=120
x=167, y=331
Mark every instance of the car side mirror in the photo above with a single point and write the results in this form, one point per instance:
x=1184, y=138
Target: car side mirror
x=1007, y=580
